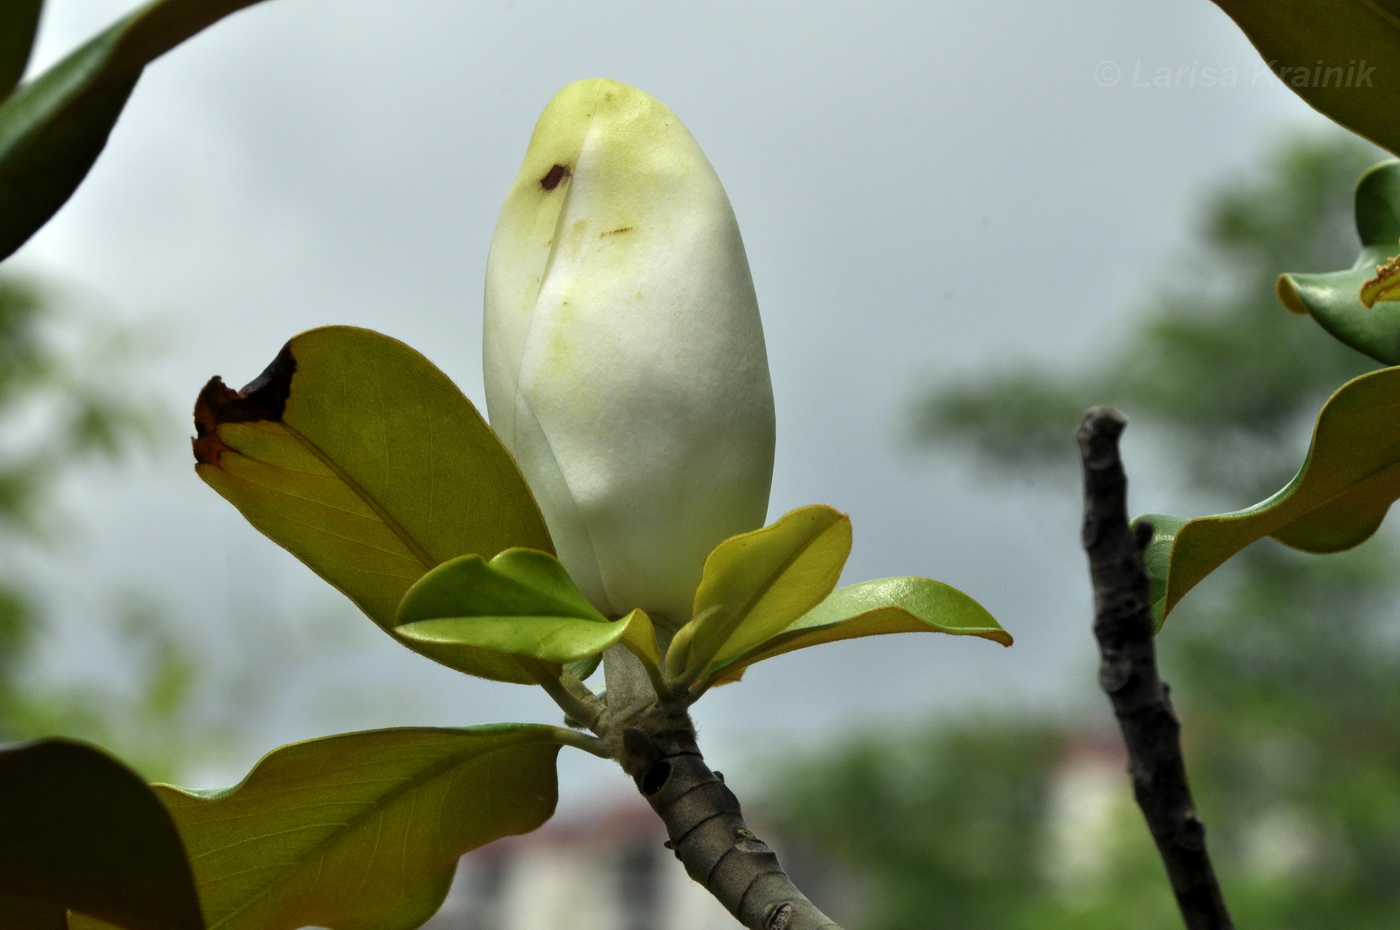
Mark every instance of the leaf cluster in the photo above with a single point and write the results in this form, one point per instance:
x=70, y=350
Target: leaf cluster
x=357, y=455
x=361, y=458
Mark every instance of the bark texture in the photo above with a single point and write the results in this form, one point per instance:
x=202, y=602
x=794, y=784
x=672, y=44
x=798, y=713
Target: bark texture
x=657, y=747
x=1124, y=627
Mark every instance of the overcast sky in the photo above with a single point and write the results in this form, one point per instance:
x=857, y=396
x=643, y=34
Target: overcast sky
x=924, y=189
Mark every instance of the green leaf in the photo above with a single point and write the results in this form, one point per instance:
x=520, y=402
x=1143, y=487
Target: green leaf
x=872, y=608
x=19, y=22
x=1335, y=299
x=1337, y=500
x=1341, y=56
x=362, y=831
x=522, y=603
x=640, y=639
x=53, y=128
x=755, y=584
x=80, y=830
x=363, y=460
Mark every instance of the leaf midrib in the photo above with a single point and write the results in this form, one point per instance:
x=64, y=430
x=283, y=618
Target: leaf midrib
x=317, y=852
x=410, y=542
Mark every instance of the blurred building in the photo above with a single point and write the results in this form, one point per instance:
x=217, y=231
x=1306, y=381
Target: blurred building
x=608, y=871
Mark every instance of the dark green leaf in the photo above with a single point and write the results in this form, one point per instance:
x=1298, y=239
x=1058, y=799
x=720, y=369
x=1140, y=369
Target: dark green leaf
x=1338, y=499
x=362, y=831
x=365, y=461
x=872, y=608
x=521, y=603
x=1341, y=56
x=19, y=21
x=53, y=128
x=1334, y=298
x=28, y=914
x=79, y=830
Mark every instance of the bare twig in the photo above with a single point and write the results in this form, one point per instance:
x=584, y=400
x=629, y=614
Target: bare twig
x=1123, y=625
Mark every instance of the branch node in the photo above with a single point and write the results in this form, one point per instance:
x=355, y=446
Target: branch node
x=706, y=827
x=1115, y=675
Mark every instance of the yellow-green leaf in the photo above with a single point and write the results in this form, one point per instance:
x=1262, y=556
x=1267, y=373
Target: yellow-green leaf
x=1385, y=286
x=81, y=831
x=755, y=584
x=364, y=460
x=1338, y=499
x=521, y=603
x=872, y=608
x=362, y=831
x=640, y=638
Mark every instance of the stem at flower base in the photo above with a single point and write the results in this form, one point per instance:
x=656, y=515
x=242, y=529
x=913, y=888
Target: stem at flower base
x=653, y=739
x=572, y=695
x=706, y=827
x=589, y=744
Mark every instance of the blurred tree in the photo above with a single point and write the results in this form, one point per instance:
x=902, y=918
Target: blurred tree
x=64, y=403
x=1282, y=665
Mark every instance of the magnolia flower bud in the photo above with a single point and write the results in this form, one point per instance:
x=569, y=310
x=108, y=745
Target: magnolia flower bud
x=624, y=357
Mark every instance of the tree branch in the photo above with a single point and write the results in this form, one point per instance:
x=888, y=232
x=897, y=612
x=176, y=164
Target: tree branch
x=657, y=748
x=1124, y=627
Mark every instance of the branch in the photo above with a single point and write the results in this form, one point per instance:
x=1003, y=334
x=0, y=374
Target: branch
x=1124, y=627
x=707, y=830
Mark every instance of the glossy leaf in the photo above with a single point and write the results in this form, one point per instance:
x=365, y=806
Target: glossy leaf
x=1335, y=299
x=80, y=830
x=757, y=583
x=872, y=608
x=1341, y=56
x=362, y=831
x=1337, y=500
x=640, y=638
x=521, y=603
x=53, y=128
x=19, y=22
x=361, y=458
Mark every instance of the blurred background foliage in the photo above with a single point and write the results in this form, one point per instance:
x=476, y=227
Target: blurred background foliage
x=79, y=414
x=1283, y=664
x=68, y=402
x=1282, y=667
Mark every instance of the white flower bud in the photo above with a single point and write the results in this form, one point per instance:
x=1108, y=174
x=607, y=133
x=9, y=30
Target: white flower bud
x=624, y=357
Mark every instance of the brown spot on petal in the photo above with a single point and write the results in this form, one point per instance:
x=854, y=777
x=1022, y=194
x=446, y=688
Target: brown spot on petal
x=554, y=177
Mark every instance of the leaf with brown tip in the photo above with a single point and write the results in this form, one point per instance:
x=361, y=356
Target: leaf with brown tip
x=366, y=462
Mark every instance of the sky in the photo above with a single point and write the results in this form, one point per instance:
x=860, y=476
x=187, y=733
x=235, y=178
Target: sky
x=926, y=192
